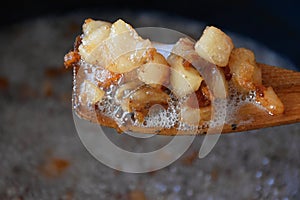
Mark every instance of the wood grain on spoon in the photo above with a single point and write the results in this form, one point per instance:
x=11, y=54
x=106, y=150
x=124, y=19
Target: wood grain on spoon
x=286, y=84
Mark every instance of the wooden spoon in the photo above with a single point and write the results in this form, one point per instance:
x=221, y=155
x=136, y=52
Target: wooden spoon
x=286, y=84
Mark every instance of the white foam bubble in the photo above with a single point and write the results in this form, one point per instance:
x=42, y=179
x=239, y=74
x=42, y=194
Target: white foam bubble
x=235, y=101
x=160, y=117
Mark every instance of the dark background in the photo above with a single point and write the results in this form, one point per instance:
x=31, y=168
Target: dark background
x=272, y=23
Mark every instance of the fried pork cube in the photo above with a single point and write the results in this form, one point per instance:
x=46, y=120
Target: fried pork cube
x=155, y=71
x=90, y=93
x=116, y=47
x=247, y=76
x=214, y=46
x=245, y=73
x=184, y=78
x=267, y=98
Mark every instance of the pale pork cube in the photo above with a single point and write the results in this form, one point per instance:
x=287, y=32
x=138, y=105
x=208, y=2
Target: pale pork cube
x=214, y=46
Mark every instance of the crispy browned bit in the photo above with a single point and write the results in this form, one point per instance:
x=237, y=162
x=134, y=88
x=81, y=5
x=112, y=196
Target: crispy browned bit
x=54, y=167
x=71, y=59
x=150, y=54
x=205, y=89
x=189, y=159
x=3, y=83
x=77, y=43
x=140, y=116
x=226, y=71
x=111, y=79
x=233, y=126
x=203, y=97
x=260, y=90
x=187, y=64
x=136, y=195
